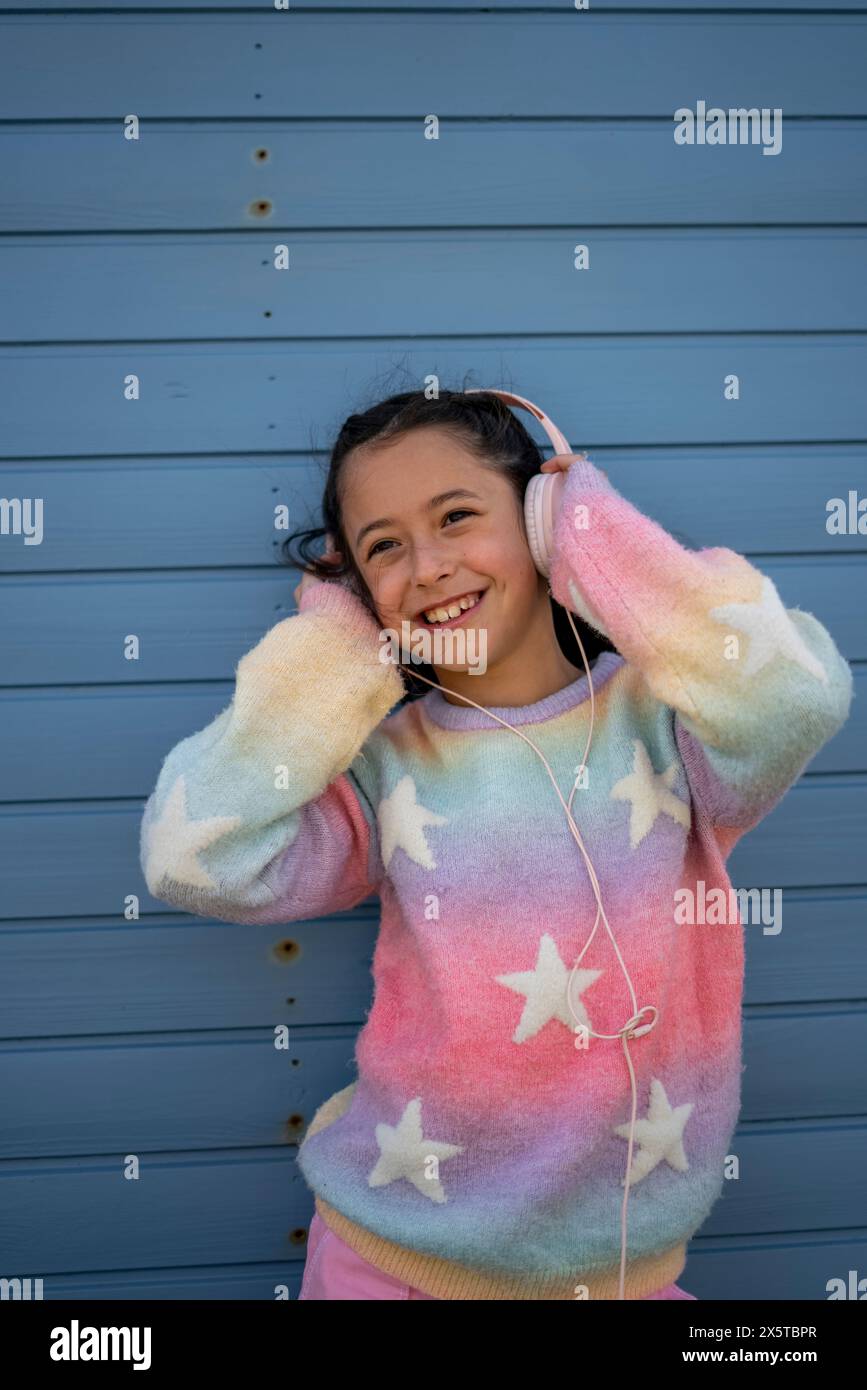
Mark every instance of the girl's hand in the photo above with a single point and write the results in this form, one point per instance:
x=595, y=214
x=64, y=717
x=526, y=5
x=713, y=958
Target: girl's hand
x=307, y=578
x=560, y=463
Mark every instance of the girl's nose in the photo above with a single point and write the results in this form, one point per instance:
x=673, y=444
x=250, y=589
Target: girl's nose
x=431, y=566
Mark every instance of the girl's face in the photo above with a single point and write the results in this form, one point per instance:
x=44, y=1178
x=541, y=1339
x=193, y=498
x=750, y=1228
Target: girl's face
x=418, y=549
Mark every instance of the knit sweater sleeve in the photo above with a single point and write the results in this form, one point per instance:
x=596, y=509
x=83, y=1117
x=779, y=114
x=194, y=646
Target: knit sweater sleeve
x=756, y=688
x=259, y=817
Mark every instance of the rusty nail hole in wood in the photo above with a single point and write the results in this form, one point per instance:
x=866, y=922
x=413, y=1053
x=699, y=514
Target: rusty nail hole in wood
x=287, y=947
x=298, y=1236
x=261, y=207
x=295, y=1121
x=261, y=154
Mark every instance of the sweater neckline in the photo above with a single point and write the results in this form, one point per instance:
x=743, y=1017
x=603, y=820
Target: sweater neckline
x=449, y=716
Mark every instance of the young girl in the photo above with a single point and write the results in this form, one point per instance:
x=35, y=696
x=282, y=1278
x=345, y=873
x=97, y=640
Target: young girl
x=484, y=1150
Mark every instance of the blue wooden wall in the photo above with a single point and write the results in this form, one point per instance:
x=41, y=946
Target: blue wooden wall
x=155, y=258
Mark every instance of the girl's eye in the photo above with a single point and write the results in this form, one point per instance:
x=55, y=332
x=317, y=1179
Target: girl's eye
x=461, y=512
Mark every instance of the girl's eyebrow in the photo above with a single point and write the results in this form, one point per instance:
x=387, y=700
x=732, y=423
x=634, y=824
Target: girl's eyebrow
x=432, y=504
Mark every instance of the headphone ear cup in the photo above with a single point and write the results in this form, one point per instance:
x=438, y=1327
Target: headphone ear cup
x=532, y=523
x=541, y=501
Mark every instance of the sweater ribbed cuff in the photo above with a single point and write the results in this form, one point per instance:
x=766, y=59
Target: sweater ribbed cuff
x=582, y=476
x=330, y=596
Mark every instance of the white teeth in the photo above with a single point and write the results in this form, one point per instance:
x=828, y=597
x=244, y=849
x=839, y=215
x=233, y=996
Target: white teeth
x=454, y=610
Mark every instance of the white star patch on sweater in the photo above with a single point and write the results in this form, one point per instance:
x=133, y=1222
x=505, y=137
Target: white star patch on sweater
x=660, y=1135
x=771, y=632
x=402, y=820
x=174, y=842
x=405, y=1153
x=649, y=794
x=545, y=990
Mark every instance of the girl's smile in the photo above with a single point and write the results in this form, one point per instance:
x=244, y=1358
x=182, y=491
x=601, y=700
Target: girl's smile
x=473, y=600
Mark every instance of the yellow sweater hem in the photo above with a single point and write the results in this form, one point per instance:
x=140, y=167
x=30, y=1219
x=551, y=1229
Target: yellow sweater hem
x=444, y=1279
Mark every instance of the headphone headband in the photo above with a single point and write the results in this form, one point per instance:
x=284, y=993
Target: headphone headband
x=560, y=442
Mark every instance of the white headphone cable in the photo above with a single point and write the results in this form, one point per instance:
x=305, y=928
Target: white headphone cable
x=630, y=1029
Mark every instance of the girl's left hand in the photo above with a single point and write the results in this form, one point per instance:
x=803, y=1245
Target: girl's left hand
x=560, y=464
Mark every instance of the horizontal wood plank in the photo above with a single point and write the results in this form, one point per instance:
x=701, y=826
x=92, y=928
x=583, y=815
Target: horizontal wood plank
x=203, y=177
x=260, y=65
x=401, y=6
x=394, y=283
x=235, y=398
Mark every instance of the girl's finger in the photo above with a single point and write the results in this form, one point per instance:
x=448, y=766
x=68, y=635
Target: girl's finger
x=562, y=463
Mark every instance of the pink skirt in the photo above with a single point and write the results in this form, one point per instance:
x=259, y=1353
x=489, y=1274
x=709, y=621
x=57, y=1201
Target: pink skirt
x=334, y=1271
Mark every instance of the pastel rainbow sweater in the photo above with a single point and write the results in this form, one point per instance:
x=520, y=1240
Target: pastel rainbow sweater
x=479, y=1154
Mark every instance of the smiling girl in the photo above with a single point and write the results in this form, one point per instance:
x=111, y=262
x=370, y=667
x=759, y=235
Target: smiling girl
x=483, y=1149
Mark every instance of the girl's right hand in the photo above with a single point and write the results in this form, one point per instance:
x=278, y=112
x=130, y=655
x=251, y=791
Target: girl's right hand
x=307, y=578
